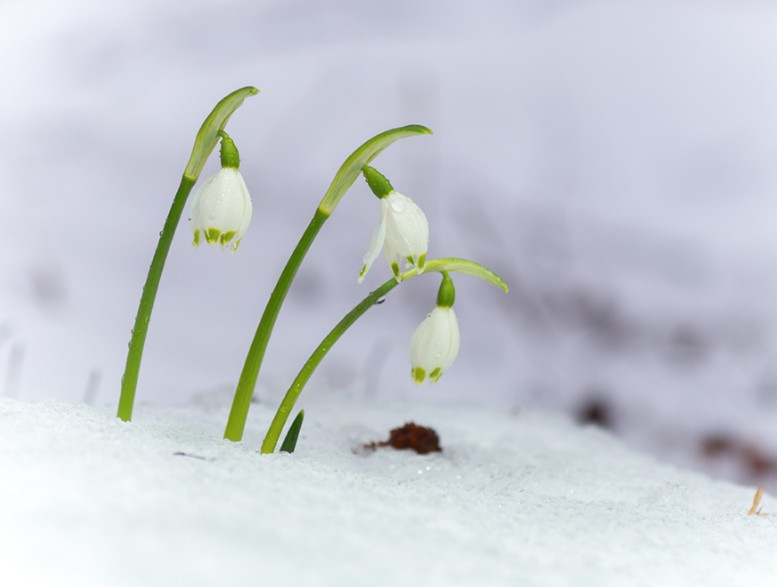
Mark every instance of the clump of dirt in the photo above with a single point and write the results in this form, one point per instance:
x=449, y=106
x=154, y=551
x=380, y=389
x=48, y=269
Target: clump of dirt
x=596, y=411
x=411, y=436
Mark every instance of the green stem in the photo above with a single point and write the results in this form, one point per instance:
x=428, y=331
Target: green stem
x=204, y=143
x=129, y=381
x=245, y=386
x=287, y=405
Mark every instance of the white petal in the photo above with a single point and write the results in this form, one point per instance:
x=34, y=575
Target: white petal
x=407, y=229
x=394, y=260
x=195, y=216
x=376, y=243
x=222, y=206
x=435, y=344
x=451, y=351
x=229, y=205
x=248, y=210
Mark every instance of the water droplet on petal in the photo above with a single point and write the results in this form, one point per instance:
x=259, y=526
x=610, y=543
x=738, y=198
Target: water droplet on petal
x=398, y=205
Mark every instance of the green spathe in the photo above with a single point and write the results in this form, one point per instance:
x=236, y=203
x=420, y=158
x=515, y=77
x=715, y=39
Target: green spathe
x=352, y=167
x=465, y=266
x=208, y=135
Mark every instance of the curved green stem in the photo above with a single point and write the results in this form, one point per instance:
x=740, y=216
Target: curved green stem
x=279, y=421
x=204, y=143
x=344, y=178
x=129, y=380
x=290, y=399
x=245, y=386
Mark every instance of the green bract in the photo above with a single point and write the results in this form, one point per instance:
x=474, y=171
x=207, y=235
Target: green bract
x=465, y=266
x=208, y=135
x=352, y=166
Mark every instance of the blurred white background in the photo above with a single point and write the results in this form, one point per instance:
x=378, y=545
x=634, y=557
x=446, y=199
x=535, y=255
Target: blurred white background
x=613, y=161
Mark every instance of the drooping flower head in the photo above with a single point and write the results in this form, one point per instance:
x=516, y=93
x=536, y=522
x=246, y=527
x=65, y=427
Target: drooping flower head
x=221, y=208
x=436, y=341
x=402, y=232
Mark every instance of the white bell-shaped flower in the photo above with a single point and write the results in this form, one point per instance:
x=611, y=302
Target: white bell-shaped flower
x=434, y=345
x=221, y=209
x=403, y=231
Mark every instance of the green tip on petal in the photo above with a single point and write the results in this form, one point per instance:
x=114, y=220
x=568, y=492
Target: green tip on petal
x=435, y=375
x=397, y=273
x=196, y=238
x=418, y=374
x=227, y=236
x=212, y=235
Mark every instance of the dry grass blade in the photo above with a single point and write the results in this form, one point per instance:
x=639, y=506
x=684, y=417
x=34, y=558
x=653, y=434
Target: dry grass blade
x=754, y=509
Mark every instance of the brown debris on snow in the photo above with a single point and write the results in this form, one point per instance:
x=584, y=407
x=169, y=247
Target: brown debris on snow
x=754, y=509
x=411, y=436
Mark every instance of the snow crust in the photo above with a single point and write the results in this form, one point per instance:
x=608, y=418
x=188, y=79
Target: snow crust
x=517, y=498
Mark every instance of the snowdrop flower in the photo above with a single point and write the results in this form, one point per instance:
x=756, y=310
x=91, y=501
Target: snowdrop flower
x=221, y=208
x=436, y=341
x=403, y=231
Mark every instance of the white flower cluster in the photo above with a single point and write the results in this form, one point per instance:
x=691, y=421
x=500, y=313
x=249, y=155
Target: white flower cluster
x=221, y=212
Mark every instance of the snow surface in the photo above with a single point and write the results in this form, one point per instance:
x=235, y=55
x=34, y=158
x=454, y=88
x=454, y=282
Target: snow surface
x=516, y=498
